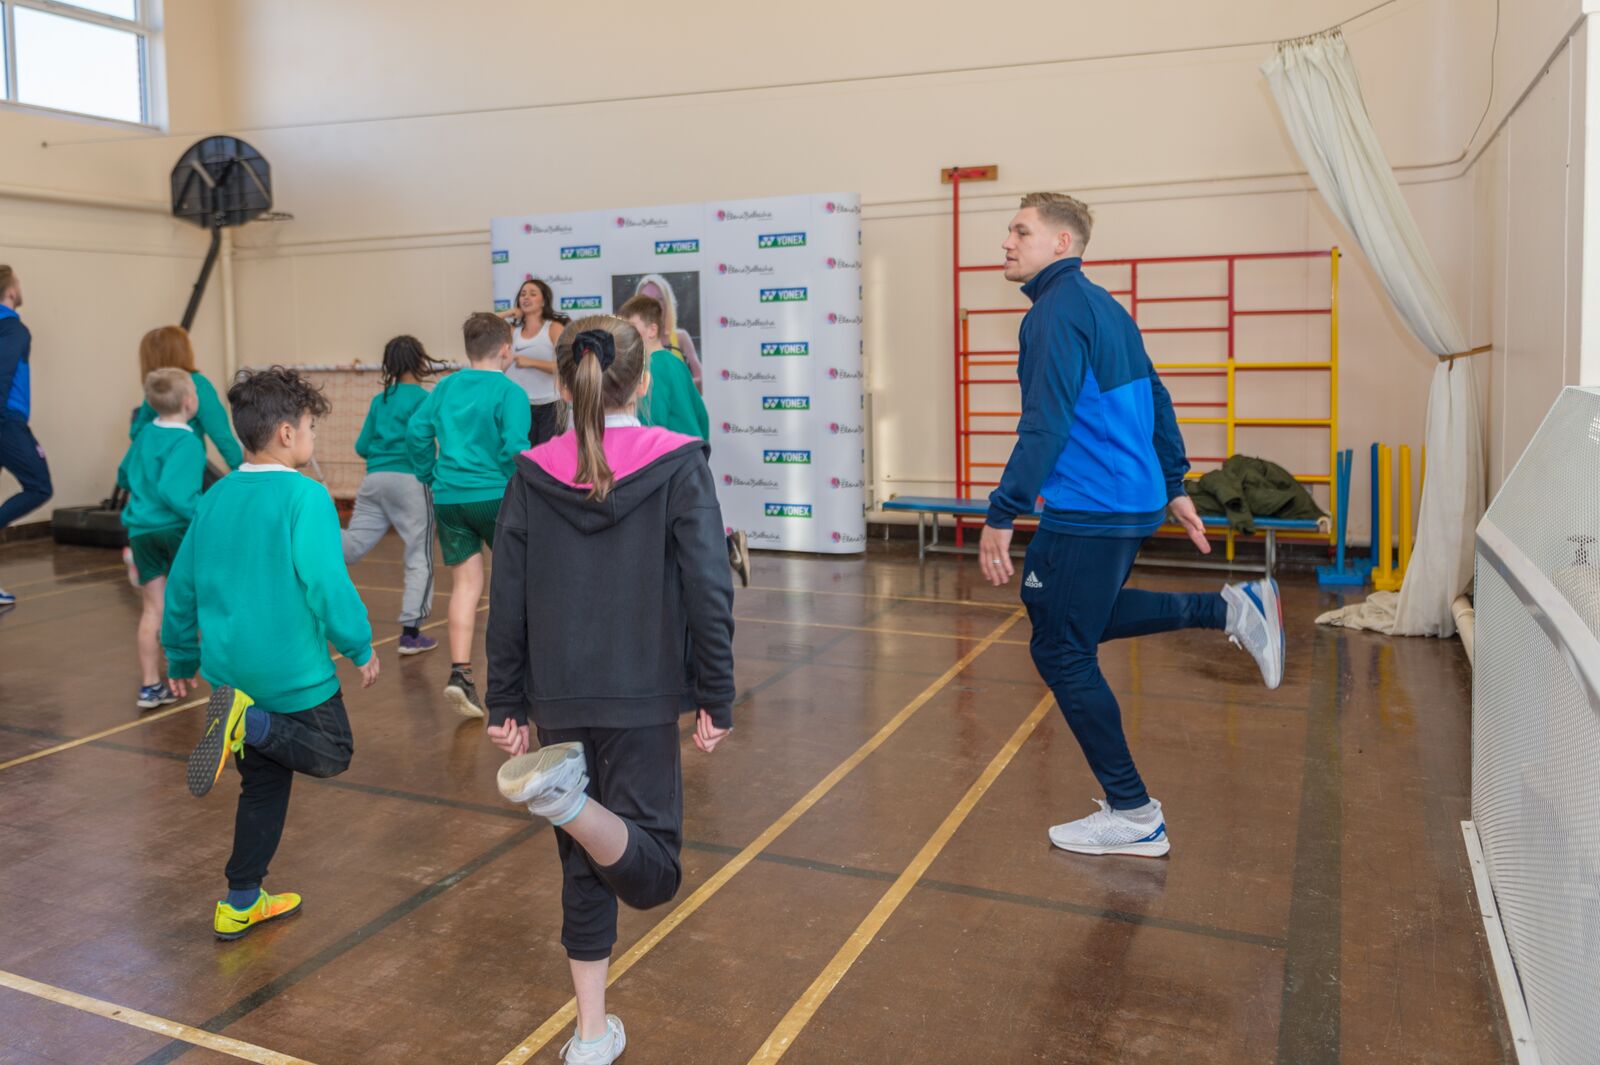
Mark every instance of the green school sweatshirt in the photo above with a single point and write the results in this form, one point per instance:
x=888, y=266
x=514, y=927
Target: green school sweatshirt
x=479, y=420
x=672, y=402
x=383, y=435
x=261, y=575
x=210, y=420
x=162, y=472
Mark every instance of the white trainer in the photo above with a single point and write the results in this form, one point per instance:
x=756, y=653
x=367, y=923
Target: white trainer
x=1255, y=623
x=549, y=781
x=1107, y=831
x=602, y=1051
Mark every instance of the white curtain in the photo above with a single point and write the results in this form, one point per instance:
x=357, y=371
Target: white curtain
x=1317, y=91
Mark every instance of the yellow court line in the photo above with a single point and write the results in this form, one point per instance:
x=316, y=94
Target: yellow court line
x=21, y=599
x=168, y=712
x=67, y=576
x=564, y=1016
x=884, y=595
x=148, y=1021
x=871, y=628
x=783, y=1036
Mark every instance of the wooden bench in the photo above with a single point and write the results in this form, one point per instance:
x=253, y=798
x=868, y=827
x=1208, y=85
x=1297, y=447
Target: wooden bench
x=928, y=508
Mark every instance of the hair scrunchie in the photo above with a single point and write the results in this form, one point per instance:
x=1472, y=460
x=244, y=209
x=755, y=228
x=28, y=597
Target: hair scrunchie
x=597, y=342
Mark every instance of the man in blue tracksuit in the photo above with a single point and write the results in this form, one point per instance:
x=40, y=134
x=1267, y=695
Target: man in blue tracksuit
x=20, y=453
x=1098, y=440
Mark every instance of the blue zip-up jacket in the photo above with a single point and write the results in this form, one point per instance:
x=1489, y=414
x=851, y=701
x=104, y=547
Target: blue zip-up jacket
x=1097, y=439
x=15, y=342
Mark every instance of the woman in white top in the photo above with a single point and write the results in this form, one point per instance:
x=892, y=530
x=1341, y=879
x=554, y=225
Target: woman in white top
x=535, y=330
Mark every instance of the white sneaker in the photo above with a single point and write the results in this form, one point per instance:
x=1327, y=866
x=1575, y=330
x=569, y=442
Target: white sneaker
x=549, y=781
x=1106, y=831
x=602, y=1051
x=1255, y=623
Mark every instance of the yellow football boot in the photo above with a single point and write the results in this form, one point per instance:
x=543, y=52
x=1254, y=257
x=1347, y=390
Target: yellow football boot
x=224, y=735
x=231, y=923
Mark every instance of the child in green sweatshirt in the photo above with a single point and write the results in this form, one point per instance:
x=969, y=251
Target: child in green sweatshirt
x=674, y=403
x=464, y=441
x=390, y=494
x=162, y=472
x=257, y=593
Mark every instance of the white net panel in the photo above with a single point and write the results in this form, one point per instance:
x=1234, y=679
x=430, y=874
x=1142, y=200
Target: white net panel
x=1536, y=732
x=349, y=388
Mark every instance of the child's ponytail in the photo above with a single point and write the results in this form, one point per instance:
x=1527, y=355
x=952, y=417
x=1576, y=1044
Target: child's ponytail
x=600, y=359
x=404, y=355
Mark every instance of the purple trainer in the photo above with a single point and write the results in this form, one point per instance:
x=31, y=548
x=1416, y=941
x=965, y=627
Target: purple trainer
x=415, y=645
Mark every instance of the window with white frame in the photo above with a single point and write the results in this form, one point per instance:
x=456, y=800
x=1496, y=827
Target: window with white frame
x=81, y=57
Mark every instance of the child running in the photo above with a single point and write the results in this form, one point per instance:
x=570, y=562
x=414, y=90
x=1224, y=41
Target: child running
x=162, y=472
x=258, y=592
x=463, y=442
x=674, y=403
x=629, y=625
x=390, y=494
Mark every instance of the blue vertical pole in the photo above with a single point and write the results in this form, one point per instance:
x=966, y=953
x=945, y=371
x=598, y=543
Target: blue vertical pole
x=1372, y=515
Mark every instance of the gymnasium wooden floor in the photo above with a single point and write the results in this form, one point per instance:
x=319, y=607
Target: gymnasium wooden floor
x=867, y=876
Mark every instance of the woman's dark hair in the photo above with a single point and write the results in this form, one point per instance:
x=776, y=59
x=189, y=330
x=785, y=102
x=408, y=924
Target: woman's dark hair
x=550, y=314
x=262, y=400
x=404, y=355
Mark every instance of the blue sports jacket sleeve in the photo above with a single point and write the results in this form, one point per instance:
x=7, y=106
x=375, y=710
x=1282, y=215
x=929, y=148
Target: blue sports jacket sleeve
x=1166, y=437
x=14, y=344
x=1051, y=369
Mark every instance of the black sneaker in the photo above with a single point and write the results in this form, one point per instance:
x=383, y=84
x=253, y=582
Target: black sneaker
x=739, y=556
x=464, y=695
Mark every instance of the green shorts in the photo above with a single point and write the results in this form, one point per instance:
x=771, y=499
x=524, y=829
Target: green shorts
x=465, y=528
x=153, y=552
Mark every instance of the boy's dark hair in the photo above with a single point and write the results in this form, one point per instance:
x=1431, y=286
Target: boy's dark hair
x=647, y=309
x=404, y=355
x=262, y=400
x=483, y=334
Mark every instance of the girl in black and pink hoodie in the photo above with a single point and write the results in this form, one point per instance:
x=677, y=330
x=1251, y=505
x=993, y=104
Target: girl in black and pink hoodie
x=610, y=615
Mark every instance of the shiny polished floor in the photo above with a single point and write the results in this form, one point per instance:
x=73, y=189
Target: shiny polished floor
x=867, y=876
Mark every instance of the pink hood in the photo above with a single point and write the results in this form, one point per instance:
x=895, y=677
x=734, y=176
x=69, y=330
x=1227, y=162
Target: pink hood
x=628, y=449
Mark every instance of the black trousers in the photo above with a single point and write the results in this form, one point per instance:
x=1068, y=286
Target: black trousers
x=316, y=742
x=637, y=775
x=546, y=416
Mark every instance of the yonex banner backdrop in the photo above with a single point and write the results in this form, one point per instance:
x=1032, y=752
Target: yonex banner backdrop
x=766, y=294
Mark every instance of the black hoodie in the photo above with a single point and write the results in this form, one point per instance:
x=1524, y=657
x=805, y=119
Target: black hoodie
x=615, y=613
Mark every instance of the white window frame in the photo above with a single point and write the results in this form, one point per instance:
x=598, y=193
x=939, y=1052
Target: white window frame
x=145, y=26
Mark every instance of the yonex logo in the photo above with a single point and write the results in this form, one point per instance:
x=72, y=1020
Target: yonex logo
x=581, y=251
x=502, y=305
x=796, y=294
x=785, y=348
x=787, y=510
x=677, y=247
x=498, y=257
x=776, y=457
x=581, y=303
x=781, y=240
x=785, y=402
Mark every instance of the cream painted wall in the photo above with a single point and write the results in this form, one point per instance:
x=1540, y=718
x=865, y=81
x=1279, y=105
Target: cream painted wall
x=394, y=154
x=1180, y=153
x=95, y=278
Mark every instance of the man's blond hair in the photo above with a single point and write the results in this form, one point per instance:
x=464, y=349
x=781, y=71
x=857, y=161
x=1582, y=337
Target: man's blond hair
x=1061, y=211
x=167, y=389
